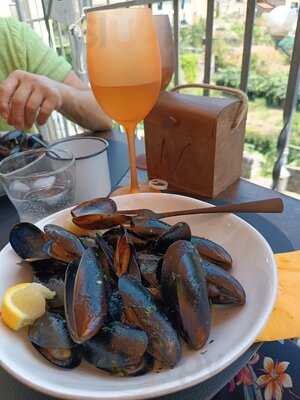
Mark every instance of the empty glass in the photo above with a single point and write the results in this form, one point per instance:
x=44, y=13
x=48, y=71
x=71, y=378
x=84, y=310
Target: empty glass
x=39, y=182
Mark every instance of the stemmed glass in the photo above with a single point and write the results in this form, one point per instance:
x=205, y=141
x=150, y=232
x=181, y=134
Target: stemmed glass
x=167, y=48
x=125, y=70
x=167, y=55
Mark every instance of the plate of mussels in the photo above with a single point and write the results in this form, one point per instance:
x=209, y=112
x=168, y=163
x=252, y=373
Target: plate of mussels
x=143, y=306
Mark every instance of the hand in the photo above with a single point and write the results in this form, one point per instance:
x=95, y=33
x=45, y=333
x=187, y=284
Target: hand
x=26, y=98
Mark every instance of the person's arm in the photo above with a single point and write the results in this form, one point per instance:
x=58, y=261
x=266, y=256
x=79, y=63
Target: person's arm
x=26, y=98
x=80, y=105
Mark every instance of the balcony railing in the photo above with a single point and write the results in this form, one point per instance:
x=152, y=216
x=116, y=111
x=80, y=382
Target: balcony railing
x=294, y=74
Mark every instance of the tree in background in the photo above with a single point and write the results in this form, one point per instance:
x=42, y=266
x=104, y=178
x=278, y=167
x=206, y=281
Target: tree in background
x=189, y=66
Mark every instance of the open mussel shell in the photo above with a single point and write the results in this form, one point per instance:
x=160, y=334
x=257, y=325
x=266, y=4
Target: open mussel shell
x=100, y=221
x=125, y=260
x=119, y=349
x=27, y=240
x=85, y=297
x=212, y=252
x=223, y=288
x=61, y=244
x=179, y=231
x=100, y=205
x=147, y=227
x=112, y=236
x=184, y=289
x=49, y=335
x=140, y=310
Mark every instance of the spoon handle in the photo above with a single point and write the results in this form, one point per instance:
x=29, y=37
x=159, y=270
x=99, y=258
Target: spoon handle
x=260, y=206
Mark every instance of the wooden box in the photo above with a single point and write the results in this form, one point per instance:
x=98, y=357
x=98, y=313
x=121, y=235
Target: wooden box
x=196, y=143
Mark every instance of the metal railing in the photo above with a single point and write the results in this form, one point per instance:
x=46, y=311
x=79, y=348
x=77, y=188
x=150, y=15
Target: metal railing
x=294, y=75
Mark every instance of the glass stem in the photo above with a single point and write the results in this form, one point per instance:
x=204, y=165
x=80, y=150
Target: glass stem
x=134, y=185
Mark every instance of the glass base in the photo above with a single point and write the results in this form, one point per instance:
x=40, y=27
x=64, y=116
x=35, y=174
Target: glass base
x=143, y=188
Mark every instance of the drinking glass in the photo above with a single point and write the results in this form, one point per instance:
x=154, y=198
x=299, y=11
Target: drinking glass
x=124, y=69
x=39, y=182
x=167, y=56
x=167, y=48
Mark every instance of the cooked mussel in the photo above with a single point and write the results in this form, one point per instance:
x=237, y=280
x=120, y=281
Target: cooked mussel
x=147, y=227
x=61, y=244
x=141, y=311
x=100, y=205
x=106, y=257
x=223, y=288
x=112, y=236
x=85, y=297
x=49, y=335
x=56, y=283
x=27, y=240
x=184, y=289
x=100, y=221
x=179, y=231
x=119, y=349
x=212, y=252
x=125, y=260
x=150, y=265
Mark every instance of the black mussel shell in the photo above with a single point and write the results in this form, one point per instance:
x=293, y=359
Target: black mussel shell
x=62, y=244
x=27, y=240
x=141, y=311
x=125, y=259
x=50, y=336
x=223, y=287
x=183, y=286
x=212, y=252
x=55, y=283
x=115, y=306
x=179, y=231
x=148, y=228
x=150, y=265
x=101, y=205
x=47, y=267
x=85, y=297
x=118, y=349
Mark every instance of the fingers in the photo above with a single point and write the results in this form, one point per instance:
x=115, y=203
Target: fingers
x=32, y=107
x=25, y=96
x=17, y=105
x=48, y=106
x=7, y=89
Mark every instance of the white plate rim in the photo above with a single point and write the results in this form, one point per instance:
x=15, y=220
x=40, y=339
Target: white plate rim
x=172, y=386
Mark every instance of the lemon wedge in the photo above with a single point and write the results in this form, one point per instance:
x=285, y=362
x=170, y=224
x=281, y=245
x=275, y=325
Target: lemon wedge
x=24, y=303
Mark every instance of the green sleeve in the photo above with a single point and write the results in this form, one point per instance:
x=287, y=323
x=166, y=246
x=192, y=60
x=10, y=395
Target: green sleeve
x=41, y=59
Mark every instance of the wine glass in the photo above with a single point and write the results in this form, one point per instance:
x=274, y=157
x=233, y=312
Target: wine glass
x=167, y=55
x=124, y=69
x=167, y=48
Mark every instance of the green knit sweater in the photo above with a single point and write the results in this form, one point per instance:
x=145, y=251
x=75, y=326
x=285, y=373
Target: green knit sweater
x=21, y=48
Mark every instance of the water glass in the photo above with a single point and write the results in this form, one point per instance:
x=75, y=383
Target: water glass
x=39, y=182
x=92, y=168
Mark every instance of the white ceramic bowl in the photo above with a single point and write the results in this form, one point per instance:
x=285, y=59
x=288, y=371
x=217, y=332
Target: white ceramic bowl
x=234, y=328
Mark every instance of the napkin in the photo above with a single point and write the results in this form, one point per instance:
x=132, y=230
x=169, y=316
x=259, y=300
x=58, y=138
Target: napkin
x=284, y=322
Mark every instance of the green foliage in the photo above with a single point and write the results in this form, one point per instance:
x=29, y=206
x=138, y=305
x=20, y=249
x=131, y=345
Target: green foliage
x=265, y=145
x=261, y=35
x=276, y=91
x=221, y=51
x=271, y=87
x=191, y=36
x=189, y=65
